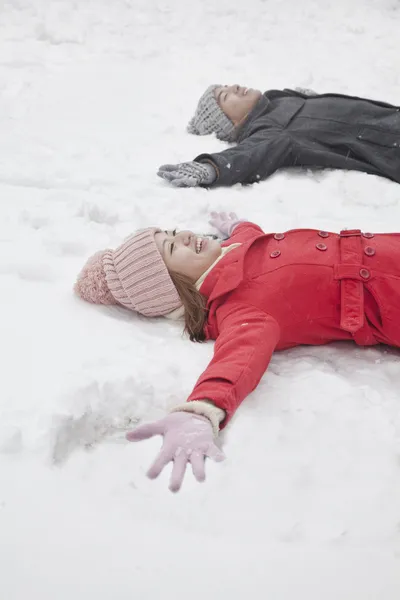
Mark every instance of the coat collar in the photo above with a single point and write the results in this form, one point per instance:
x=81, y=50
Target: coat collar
x=228, y=272
x=258, y=110
x=225, y=277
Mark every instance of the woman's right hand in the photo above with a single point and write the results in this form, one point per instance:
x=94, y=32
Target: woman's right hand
x=187, y=438
x=225, y=223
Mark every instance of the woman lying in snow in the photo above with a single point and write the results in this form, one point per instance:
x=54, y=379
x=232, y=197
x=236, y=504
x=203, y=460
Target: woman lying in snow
x=289, y=128
x=253, y=293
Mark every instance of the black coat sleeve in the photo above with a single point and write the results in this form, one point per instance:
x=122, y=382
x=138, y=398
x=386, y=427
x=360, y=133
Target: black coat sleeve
x=253, y=159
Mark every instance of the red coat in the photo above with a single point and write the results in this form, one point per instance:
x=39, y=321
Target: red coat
x=277, y=291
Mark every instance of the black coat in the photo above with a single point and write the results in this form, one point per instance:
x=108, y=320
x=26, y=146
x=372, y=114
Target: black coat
x=289, y=129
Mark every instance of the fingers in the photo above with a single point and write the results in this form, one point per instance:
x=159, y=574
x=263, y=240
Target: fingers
x=215, y=453
x=223, y=215
x=184, y=182
x=180, y=458
x=214, y=221
x=163, y=458
x=168, y=175
x=144, y=432
x=167, y=168
x=178, y=470
x=198, y=466
x=177, y=180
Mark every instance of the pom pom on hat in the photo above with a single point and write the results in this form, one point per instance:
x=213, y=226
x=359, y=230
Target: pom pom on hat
x=91, y=284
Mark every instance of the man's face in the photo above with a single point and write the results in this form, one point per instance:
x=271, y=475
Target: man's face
x=236, y=101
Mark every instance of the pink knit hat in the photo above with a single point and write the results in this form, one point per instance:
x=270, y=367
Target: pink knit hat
x=134, y=275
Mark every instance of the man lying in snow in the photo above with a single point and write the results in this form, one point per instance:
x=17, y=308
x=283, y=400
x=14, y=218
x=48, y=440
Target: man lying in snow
x=289, y=128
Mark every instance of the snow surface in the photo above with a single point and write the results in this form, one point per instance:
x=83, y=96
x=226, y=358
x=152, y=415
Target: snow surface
x=94, y=95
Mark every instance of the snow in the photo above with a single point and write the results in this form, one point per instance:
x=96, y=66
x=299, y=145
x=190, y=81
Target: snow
x=94, y=96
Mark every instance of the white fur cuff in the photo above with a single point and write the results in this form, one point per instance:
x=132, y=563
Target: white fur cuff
x=205, y=408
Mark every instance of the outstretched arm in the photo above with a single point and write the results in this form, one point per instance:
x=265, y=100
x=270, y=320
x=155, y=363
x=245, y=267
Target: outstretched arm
x=256, y=158
x=252, y=160
x=247, y=338
x=246, y=341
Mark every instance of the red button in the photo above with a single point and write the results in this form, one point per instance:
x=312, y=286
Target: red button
x=369, y=251
x=368, y=235
x=275, y=253
x=323, y=234
x=365, y=274
x=279, y=236
x=321, y=247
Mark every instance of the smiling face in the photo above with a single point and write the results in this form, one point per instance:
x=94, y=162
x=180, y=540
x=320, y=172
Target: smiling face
x=236, y=101
x=187, y=253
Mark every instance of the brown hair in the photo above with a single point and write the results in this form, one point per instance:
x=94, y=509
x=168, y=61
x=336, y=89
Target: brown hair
x=194, y=304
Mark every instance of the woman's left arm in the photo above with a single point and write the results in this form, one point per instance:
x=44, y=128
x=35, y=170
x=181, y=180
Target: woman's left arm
x=246, y=341
x=242, y=353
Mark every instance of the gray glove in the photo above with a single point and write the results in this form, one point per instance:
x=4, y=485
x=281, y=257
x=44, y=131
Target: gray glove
x=188, y=174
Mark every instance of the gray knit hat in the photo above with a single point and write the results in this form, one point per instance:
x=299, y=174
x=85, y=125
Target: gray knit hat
x=209, y=118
